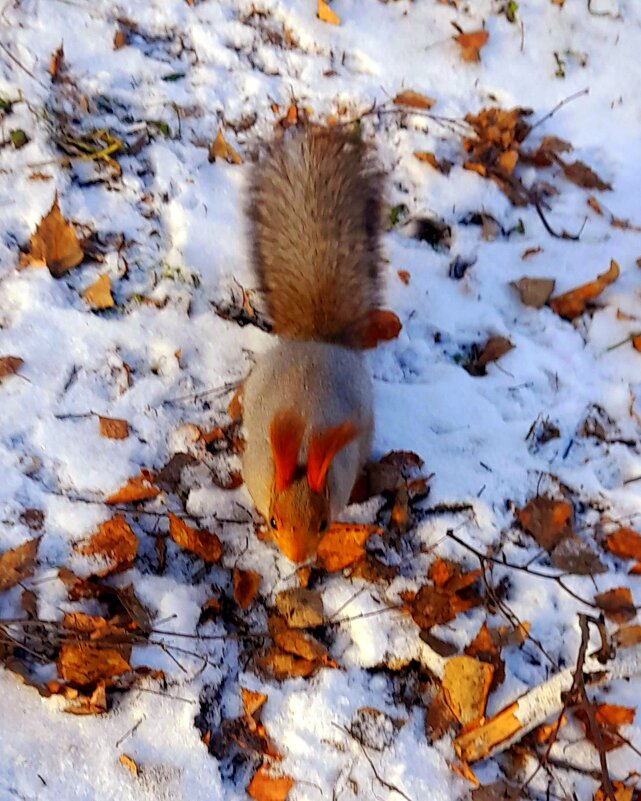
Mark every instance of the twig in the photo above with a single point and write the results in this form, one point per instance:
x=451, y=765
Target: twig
x=558, y=106
x=22, y=67
x=548, y=227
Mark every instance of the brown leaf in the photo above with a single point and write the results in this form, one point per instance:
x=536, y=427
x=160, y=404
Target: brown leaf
x=534, y=292
x=325, y=13
x=56, y=63
x=432, y=606
x=139, y=488
x=581, y=175
x=204, y=544
x=55, y=244
x=95, y=704
x=220, y=149
x=466, y=684
x=343, y=545
x=301, y=608
x=528, y=253
x=547, y=520
x=486, y=648
x=114, y=542
x=246, y=586
x=127, y=762
x=572, y=555
x=471, y=44
x=572, y=304
x=98, y=295
x=33, y=519
x=500, y=790
x=299, y=643
x=383, y=325
x=474, y=166
x=624, y=543
x=113, y=428
x=282, y=665
x=627, y=636
x=617, y=604
x=494, y=348
x=414, y=100
x=439, y=719
x=507, y=161
x=9, y=365
x=404, y=276
x=441, y=647
x=267, y=787
x=594, y=204
x=82, y=664
x=121, y=38
x=18, y=564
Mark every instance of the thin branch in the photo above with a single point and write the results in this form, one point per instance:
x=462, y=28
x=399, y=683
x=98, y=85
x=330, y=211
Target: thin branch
x=559, y=106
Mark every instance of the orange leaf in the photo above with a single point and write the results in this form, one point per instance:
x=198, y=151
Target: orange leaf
x=56, y=63
x=343, y=545
x=507, y=161
x=96, y=704
x=113, y=428
x=325, y=13
x=115, y=542
x=98, y=295
x=300, y=643
x=572, y=304
x=473, y=166
x=204, y=544
x=83, y=664
x=627, y=636
x=404, y=276
x=18, y=564
x=471, y=44
x=382, y=325
x=636, y=342
x=54, y=244
x=127, y=762
x=282, y=665
x=9, y=365
x=547, y=520
x=617, y=604
x=625, y=543
x=246, y=585
x=414, y=99
x=252, y=702
x=139, y=488
x=266, y=787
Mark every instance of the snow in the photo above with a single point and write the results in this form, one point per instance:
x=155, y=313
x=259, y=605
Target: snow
x=181, y=219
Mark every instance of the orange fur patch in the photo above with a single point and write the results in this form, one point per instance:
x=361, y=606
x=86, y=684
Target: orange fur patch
x=322, y=449
x=285, y=435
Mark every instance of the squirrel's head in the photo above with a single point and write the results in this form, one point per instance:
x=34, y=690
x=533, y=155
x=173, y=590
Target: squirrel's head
x=300, y=499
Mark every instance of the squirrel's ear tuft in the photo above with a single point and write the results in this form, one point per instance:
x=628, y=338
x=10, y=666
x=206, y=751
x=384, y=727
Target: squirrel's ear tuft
x=285, y=435
x=322, y=449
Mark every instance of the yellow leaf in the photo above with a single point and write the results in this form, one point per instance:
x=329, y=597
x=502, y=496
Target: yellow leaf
x=326, y=14
x=127, y=762
x=220, y=149
x=98, y=295
x=466, y=685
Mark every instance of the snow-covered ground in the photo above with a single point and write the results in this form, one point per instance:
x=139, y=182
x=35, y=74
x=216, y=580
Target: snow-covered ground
x=172, y=228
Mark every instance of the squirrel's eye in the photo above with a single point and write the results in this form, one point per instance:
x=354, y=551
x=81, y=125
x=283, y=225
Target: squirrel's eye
x=323, y=525
x=273, y=523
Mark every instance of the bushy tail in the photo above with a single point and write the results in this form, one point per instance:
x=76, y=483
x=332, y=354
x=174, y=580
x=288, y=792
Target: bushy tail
x=315, y=215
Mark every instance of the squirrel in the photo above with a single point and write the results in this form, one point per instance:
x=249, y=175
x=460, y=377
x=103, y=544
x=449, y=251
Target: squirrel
x=314, y=213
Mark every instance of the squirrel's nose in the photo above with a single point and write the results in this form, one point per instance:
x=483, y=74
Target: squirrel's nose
x=296, y=549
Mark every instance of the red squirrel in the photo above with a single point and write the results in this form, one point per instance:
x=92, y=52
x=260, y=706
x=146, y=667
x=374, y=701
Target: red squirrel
x=315, y=209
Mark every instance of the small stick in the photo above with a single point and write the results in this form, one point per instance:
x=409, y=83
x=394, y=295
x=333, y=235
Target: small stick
x=558, y=106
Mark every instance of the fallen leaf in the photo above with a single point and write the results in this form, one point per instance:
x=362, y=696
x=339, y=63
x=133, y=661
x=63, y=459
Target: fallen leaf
x=267, y=787
x=572, y=555
x=547, y=520
x=18, y=564
x=282, y=665
x=220, y=149
x=529, y=252
x=98, y=295
x=627, y=636
x=127, y=762
x=494, y=348
x=325, y=13
x=617, y=604
x=474, y=166
x=252, y=702
x=343, y=545
x=414, y=100
x=594, y=204
x=56, y=63
x=433, y=606
x=624, y=543
x=121, y=38
x=534, y=292
x=54, y=244
x=439, y=719
x=571, y=304
x=501, y=790
x=486, y=648
x=382, y=326
x=609, y=718
x=246, y=585
x=9, y=365
x=95, y=704
x=83, y=665
x=471, y=44
x=404, y=276
x=466, y=684
x=113, y=428
x=580, y=174
x=204, y=544
x=139, y=488
x=301, y=608
x=507, y=161
x=622, y=792
x=300, y=643
x=115, y=543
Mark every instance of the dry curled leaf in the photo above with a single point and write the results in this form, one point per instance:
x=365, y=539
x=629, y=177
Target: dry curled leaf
x=282, y=665
x=267, y=787
x=494, y=348
x=301, y=608
x=534, y=292
x=138, y=488
x=54, y=244
x=624, y=543
x=82, y=664
x=128, y=762
x=56, y=63
x=98, y=295
x=252, y=702
x=325, y=13
x=18, y=564
x=547, y=520
x=453, y=593
x=343, y=545
x=382, y=326
x=617, y=604
x=113, y=428
x=220, y=149
x=115, y=543
x=571, y=304
x=246, y=585
x=414, y=100
x=471, y=44
x=300, y=643
x=580, y=174
x=95, y=704
x=204, y=544
x=466, y=684
x=627, y=636
x=9, y=365
x=622, y=792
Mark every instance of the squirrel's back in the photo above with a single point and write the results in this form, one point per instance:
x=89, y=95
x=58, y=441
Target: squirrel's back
x=315, y=212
